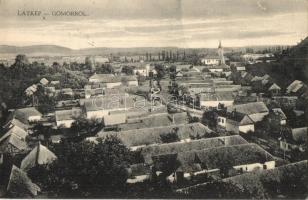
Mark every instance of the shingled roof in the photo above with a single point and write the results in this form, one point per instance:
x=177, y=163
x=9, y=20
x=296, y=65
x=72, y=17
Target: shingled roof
x=16, y=137
x=295, y=86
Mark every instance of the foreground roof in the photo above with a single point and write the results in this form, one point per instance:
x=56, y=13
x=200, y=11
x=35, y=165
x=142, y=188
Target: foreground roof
x=38, y=156
x=20, y=185
x=178, y=147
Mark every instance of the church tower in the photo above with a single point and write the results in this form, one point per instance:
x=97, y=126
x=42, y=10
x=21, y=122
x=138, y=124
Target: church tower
x=221, y=53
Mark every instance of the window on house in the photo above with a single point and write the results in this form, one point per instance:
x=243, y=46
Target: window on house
x=264, y=166
x=222, y=121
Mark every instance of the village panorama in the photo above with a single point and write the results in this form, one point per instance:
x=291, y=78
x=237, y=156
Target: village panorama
x=211, y=119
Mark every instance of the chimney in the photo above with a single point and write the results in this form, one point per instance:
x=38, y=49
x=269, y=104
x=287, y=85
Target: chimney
x=37, y=152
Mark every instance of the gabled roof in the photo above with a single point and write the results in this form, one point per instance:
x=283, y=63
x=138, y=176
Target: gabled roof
x=114, y=119
x=274, y=86
x=38, y=156
x=16, y=130
x=148, y=136
x=193, y=145
x=236, y=155
x=240, y=118
x=139, y=169
x=300, y=134
x=109, y=102
x=68, y=114
x=155, y=120
x=12, y=121
x=23, y=114
x=20, y=185
x=15, y=137
x=101, y=77
x=280, y=113
x=249, y=108
x=295, y=86
x=31, y=89
x=110, y=78
x=44, y=81
x=218, y=96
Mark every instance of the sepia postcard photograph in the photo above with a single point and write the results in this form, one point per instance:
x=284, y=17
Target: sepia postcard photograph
x=154, y=99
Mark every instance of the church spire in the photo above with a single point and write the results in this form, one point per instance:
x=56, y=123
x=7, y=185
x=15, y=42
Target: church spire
x=219, y=46
x=221, y=53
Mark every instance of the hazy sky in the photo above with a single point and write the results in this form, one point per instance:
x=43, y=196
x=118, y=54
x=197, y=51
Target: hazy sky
x=136, y=23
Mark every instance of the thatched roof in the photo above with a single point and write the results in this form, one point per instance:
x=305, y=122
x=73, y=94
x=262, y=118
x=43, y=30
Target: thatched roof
x=234, y=155
x=23, y=114
x=194, y=145
x=249, y=108
x=148, y=136
x=155, y=120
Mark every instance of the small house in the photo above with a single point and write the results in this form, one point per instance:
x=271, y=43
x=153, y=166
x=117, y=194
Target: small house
x=274, y=89
x=65, y=118
x=29, y=114
x=44, y=81
x=237, y=123
x=255, y=110
x=295, y=87
x=277, y=117
x=213, y=100
x=294, y=139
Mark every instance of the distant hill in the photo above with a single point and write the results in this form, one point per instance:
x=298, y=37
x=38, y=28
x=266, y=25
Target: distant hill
x=34, y=49
x=54, y=50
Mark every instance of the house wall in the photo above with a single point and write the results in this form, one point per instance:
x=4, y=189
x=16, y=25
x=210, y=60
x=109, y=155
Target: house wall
x=142, y=72
x=247, y=128
x=93, y=80
x=240, y=68
x=99, y=114
x=214, y=104
x=284, y=145
x=256, y=166
x=221, y=121
x=132, y=83
x=283, y=122
x=65, y=123
x=138, y=179
x=112, y=85
x=216, y=70
x=34, y=118
x=210, y=61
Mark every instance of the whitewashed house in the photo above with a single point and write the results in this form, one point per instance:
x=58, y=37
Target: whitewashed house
x=255, y=110
x=213, y=100
x=27, y=115
x=65, y=118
